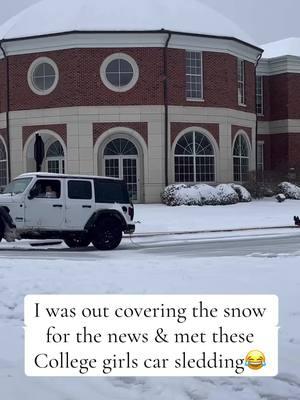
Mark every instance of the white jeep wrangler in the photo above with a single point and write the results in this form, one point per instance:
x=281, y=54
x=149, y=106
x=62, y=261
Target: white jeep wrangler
x=77, y=209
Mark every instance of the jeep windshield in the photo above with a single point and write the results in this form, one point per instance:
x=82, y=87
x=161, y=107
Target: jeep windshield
x=17, y=186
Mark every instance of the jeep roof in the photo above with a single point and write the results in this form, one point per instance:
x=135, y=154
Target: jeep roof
x=66, y=176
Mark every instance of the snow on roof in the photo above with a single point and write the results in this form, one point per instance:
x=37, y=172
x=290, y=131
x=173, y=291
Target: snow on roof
x=55, y=16
x=284, y=47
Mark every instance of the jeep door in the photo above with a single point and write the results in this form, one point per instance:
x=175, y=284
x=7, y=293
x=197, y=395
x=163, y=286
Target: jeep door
x=80, y=202
x=45, y=206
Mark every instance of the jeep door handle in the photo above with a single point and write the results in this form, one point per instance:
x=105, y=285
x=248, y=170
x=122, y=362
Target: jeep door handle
x=57, y=205
x=86, y=206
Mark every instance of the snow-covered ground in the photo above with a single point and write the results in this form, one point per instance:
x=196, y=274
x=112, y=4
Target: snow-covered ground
x=131, y=272
x=259, y=213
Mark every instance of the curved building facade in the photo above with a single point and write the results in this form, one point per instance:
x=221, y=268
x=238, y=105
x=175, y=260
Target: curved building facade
x=140, y=96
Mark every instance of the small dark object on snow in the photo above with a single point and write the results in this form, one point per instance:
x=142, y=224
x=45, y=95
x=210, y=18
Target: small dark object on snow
x=280, y=197
x=297, y=220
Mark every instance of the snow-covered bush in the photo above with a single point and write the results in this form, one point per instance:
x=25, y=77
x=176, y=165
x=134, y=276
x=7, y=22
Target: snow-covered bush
x=244, y=195
x=209, y=195
x=188, y=196
x=227, y=194
x=280, y=197
x=170, y=195
x=290, y=190
x=202, y=194
x=178, y=195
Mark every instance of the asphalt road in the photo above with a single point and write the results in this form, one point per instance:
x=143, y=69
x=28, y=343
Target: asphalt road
x=260, y=245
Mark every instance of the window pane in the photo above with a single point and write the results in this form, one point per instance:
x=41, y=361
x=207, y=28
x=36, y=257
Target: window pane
x=3, y=173
x=55, y=150
x=259, y=95
x=120, y=147
x=79, y=190
x=112, y=168
x=113, y=66
x=125, y=66
x=107, y=191
x=125, y=78
x=113, y=78
x=53, y=166
x=119, y=72
x=194, y=75
x=184, y=169
x=43, y=76
x=260, y=156
x=205, y=169
x=47, y=188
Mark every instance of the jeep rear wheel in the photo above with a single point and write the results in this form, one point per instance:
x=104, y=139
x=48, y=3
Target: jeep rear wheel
x=77, y=241
x=108, y=234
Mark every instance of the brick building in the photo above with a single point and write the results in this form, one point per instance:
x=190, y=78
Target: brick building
x=150, y=95
x=278, y=109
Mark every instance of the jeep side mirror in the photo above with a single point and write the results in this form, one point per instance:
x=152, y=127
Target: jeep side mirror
x=33, y=193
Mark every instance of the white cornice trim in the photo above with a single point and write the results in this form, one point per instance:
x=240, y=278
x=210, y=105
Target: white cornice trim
x=279, y=65
x=118, y=114
x=124, y=40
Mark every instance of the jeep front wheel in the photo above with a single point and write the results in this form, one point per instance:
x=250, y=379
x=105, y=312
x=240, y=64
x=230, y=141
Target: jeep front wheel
x=108, y=234
x=77, y=241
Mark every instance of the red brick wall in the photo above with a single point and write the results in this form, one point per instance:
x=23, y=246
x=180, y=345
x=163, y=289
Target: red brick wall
x=2, y=85
x=281, y=151
x=60, y=129
x=294, y=150
x=79, y=80
x=177, y=127
x=281, y=97
x=80, y=83
x=139, y=127
x=220, y=81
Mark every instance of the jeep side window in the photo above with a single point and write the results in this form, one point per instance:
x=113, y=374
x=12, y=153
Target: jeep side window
x=80, y=190
x=46, y=189
x=107, y=191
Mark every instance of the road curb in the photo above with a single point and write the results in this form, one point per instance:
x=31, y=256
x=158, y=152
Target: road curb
x=150, y=234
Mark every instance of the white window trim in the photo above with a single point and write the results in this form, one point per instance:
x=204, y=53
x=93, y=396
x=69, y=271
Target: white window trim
x=242, y=81
x=194, y=156
x=31, y=69
x=127, y=58
x=261, y=95
x=199, y=99
x=239, y=157
x=262, y=144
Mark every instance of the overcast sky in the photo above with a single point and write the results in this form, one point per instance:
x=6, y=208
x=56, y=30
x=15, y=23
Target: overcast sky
x=264, y=20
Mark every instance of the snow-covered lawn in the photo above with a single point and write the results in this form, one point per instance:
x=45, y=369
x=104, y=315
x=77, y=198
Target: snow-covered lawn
x=129, y=271
x=111, y=273
x=267, y=212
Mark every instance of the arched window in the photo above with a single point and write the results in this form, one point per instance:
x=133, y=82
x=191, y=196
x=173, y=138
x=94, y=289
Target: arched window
x=120, y=147
x=121, y=161
x=3, y=165
x=55, y=158
x=194, y=159
x=240, y=159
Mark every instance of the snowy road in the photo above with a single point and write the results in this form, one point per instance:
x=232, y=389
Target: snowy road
x=258, y=244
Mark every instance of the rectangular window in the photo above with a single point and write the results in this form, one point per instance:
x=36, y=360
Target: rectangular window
x=241, y=81
x=107, y=191
x=46, y=188
x=259, y=96
x=260, y=156
x=79, y=190
x=194, y=78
